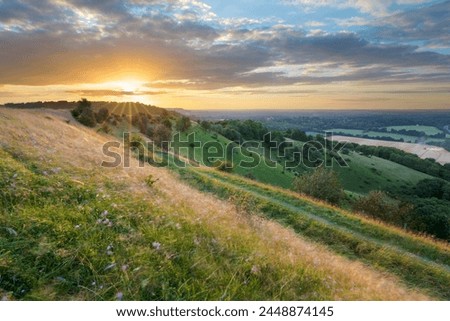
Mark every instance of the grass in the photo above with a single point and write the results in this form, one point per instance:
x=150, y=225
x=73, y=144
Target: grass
x=365, y=174
x=58, y=242
x=372, y=134
x=428, y=130
x=273, y=174
x=382, y=247
x=160, y=239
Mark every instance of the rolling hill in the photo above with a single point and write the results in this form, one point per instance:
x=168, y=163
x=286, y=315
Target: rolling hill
x=71, y=229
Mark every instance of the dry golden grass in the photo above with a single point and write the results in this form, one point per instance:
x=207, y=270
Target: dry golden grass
x=46, y=136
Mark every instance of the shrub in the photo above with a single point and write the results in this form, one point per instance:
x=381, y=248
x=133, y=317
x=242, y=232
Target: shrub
x=322, y=184
x=84, y=113
x=102, y=115
x=224, y=166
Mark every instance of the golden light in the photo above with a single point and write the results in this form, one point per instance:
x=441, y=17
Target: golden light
x=131, y=86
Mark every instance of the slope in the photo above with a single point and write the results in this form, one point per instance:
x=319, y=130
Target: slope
x=71, y=229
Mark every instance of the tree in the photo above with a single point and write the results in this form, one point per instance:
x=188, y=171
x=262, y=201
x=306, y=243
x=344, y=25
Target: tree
x=161, y=136
x=322, y=184
x=102, y=115
x=84, y=113
x=379, y=205
x=183, y=124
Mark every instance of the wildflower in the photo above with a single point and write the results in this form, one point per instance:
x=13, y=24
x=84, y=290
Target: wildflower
x=156, y=245
x=124, y=267
x=99, y=221
x=104, y=213
x=110, y=224
x=178, y=226
x=93, y=283
x=109, y=250
x=255, y=269
x=119, y=296
x=105, y=221
x=77, y=226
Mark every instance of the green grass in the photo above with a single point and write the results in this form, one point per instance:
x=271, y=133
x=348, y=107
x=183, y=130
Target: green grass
x=372, y=134
x=56, y=243
x=410, y=258
x=262, y=172
x=365, y=174
x=428, y=130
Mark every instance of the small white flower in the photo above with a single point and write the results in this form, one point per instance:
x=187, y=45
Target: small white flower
x=77, y=226
x=119, y=296
x=156, y=245
x=255, y=269
x=124, y=267
x=110, y=224
x=99, y=221
x=104, y=213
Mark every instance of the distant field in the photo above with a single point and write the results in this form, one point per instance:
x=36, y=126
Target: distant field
x=428, y=130
x=360, y=133
x=441, y=155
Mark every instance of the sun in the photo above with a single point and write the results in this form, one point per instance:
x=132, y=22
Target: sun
x=131, y=86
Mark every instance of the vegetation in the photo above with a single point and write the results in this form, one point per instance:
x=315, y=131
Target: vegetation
x=322, y=184
x=85, y=234
x=84, y=113
x=347, y=234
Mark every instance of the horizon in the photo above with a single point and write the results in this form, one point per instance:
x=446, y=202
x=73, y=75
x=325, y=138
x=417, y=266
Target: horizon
x=291, y=55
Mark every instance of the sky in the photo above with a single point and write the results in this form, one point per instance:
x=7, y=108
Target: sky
x=234, y=54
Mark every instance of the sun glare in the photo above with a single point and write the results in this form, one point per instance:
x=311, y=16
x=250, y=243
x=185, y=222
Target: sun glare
x=132, y=86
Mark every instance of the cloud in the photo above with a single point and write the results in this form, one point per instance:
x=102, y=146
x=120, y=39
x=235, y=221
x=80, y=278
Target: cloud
x=430, y=24
x=371, y=7
x=173, y=46
x=118, y=93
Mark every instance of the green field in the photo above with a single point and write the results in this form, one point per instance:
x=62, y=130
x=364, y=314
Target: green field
x=372, y=134
x=364, y=174
x=428, y=130
x=261, y=172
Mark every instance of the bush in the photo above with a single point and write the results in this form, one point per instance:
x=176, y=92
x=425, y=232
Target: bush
x=84, y=113
x=322, y=184
x=102, y=115
x=379, y=205
x=224, y=166
x=183, y=124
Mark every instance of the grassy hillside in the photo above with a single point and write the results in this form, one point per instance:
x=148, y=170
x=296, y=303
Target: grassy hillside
x=373, y=173
x=263, y=173
x=419, y=262
x=72, y=230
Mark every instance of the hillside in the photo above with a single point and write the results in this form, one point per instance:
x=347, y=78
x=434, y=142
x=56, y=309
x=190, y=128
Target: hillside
x=71, y=229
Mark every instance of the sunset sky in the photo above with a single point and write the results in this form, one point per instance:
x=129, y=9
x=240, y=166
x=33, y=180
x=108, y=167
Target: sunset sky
x=301, y=54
